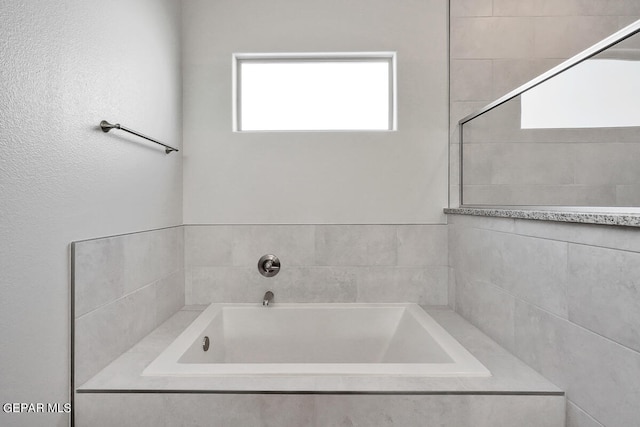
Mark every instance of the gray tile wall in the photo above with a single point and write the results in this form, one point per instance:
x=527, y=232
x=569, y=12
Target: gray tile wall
x=498, y=45
x=565, y=298
x=319, y=410
x=320, y=263
x=124, y=287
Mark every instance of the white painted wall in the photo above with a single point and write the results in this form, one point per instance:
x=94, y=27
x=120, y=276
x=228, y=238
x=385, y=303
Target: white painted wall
x=64, y=66
x=298, y=177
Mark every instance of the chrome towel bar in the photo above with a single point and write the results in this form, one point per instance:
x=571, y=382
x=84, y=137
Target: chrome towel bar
x=106, y=127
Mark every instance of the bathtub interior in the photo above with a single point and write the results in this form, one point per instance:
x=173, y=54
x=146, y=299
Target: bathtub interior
x=316, y=339
x=294, y=334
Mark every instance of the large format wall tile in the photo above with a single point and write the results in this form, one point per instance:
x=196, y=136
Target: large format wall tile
x=604, y=292
x=519, y=8
x=625, y=20
x=586, y=340
x=169, y=295
x=438, y=410
x=532, y=269
x=293, y=244
x=421, y=245
x=208, y=245
x=98, y=340
x=465, y=43
x=540, y=195
x=627, y=195
x=471, y=8
x=525, y=163
x=150, y=256
x=471, y=253
x=564, y=7
x=471, y=79
x=597, y=374
x=320, y=263
x=615, y=163
x=356, y=245
x=317, y=284
x=487, y=307
x=104, y=334
x=564, y=36
x=421, y=285
x=619, y=238
x=509, y=74
x=540, y=341
x=318, y=410
x=109, y=268
x=98, y=273
x=245, y=285
x=204, y=285
x=535, y=270
x=124, y=286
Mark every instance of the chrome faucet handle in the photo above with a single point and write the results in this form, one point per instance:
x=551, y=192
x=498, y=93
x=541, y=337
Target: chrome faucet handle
x=269, y=265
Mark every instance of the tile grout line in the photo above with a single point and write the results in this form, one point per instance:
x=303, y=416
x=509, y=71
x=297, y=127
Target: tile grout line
x=537, y=307
x=585, y=412
x=101, y=306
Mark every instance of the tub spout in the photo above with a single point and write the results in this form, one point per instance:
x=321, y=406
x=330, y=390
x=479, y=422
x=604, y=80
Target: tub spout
x=268, y=298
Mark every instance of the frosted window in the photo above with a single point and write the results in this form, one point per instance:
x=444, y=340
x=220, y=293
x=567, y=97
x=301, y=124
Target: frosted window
x=314, y=94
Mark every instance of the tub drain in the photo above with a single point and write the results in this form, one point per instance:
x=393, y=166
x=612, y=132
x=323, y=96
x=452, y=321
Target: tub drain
x=205, y=343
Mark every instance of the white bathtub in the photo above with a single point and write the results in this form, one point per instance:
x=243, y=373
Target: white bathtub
x=315, y=339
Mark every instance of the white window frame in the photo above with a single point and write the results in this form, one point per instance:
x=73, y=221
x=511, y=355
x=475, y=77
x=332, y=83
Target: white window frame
x=389, y=57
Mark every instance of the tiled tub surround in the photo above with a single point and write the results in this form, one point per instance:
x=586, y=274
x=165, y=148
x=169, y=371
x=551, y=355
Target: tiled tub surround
x=513, y=395
x=123, y=288
x=564, y=298
x=320, y=263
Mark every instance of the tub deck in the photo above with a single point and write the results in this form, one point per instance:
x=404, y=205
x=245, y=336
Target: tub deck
x=509, y=375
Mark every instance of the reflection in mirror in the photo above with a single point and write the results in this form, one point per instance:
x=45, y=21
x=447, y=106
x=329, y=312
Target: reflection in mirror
x=602, y=91
x=572, y=140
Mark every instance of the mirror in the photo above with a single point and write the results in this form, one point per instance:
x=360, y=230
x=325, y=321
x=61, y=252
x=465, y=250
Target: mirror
x=569, y=140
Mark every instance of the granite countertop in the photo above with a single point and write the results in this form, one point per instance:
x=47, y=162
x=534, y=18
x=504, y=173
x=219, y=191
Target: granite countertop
x=603, y=218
